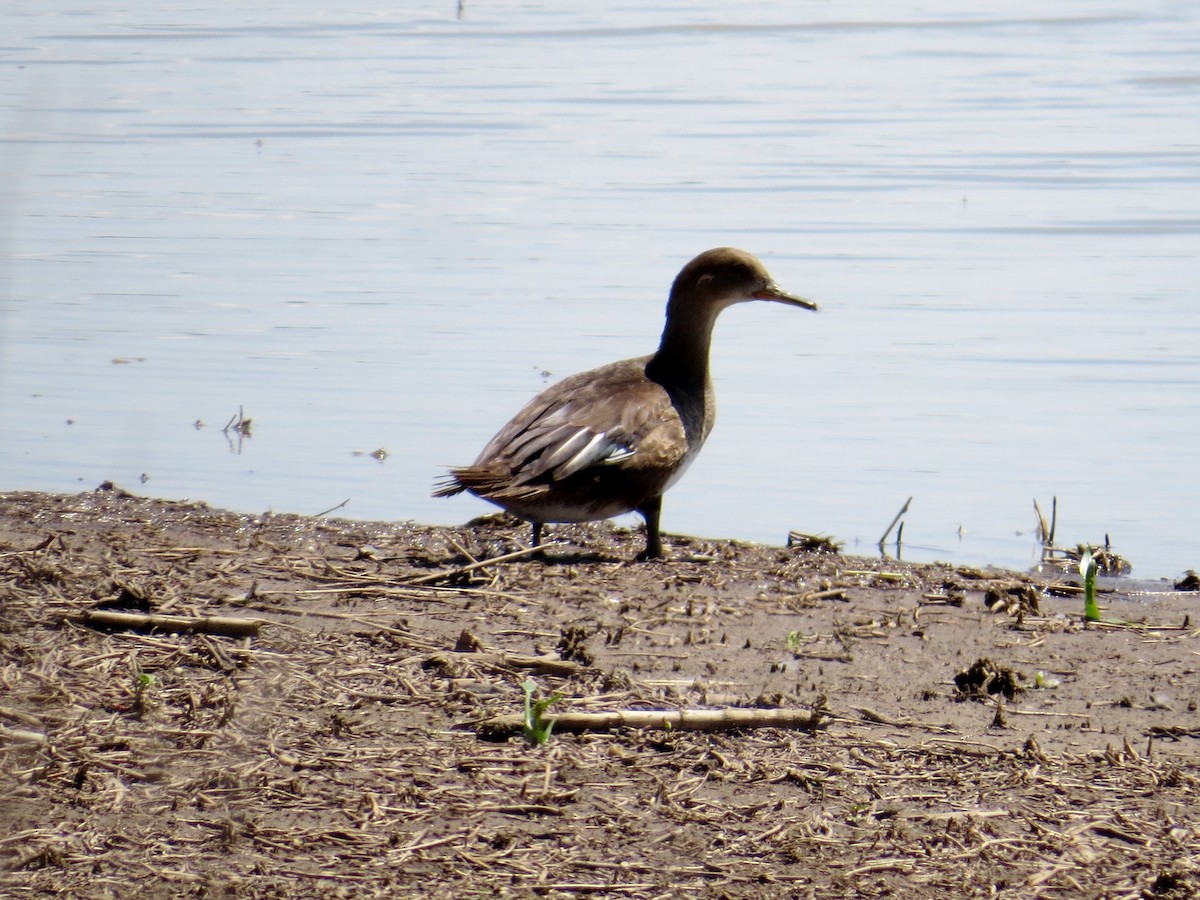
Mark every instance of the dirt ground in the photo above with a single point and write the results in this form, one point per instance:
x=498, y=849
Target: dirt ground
x=946, y=732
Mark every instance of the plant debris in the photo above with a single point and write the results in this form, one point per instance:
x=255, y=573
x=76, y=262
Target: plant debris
x=1189, y=582
x=983, y=677
x=335, y=749
x=1018, y=599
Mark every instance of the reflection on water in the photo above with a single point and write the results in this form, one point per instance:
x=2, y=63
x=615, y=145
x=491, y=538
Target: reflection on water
x=385, y=228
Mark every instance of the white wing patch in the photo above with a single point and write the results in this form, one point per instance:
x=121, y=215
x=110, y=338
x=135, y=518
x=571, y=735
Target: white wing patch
x=580, y=450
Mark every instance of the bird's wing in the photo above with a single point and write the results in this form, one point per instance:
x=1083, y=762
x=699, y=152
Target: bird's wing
x=574, y=425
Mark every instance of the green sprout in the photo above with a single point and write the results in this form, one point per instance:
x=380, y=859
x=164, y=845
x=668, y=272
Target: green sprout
x=1041, y=682
x=537, y=728
x=142, y=684
x=1087, y=568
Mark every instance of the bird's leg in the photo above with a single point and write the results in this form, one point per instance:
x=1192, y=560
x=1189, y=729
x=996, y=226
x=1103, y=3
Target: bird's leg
x=651, y=510
x=537, y=533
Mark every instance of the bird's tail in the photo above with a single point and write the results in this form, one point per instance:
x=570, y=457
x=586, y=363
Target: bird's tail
x=447, y=486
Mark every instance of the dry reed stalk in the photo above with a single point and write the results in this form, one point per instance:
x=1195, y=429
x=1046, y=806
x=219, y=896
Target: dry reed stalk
x=669, y=719
x=227, y=626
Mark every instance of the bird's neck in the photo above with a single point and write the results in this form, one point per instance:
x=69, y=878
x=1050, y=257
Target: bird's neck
x=682, y=357
x=681, y=367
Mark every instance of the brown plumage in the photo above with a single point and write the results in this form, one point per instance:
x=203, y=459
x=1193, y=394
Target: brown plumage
x=613, y=439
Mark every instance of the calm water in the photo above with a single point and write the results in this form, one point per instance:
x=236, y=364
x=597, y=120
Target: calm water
x=383, y=227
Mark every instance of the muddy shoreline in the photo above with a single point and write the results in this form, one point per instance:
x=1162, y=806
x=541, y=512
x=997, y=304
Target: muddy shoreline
x=956, y=732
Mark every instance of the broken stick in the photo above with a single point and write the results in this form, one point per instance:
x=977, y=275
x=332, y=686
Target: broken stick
x=228, y=626
x=903, y=510
x=730, y=719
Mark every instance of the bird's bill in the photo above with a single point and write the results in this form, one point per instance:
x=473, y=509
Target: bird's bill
x=779, y=295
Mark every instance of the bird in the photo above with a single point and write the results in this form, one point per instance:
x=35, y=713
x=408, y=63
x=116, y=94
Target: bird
x=612, y=440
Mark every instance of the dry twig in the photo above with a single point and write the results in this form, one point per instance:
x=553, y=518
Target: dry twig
x=672, y=719
x=228, y=626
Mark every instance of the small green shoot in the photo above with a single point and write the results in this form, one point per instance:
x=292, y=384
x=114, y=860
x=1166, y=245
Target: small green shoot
x=1087, y=568
x=1042, y=683
x=794, y=640
x=537, y=728
x=142, y=684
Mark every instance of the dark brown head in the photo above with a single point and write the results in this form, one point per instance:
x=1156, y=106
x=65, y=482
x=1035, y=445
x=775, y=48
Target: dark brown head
x=721, y=277
x=712, y=281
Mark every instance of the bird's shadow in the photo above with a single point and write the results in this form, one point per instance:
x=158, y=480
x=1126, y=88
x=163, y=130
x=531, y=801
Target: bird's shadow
x=499, y=534
x=551, y=553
